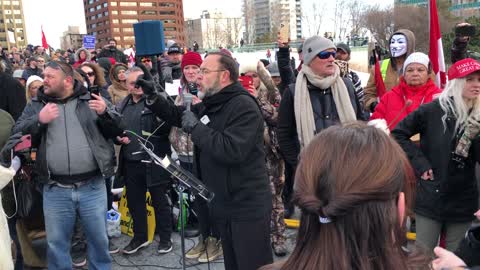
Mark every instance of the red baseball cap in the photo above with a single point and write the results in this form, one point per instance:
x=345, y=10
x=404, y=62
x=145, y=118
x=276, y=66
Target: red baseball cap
x=463, y=68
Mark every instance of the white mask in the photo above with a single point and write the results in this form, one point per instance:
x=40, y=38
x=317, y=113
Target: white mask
x=398, y=45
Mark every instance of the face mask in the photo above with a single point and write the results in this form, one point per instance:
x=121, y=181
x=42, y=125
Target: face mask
x=398, y=45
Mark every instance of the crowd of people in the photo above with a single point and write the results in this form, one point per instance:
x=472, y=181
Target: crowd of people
x=264, y=136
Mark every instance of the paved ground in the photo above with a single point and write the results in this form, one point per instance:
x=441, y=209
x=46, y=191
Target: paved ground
x=148, y=258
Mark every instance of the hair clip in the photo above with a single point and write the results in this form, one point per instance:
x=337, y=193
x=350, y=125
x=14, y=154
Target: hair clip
x=324, y=220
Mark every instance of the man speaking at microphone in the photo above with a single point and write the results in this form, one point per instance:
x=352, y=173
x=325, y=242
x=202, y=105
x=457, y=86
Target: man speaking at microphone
x=227, y=131
x=138, y=175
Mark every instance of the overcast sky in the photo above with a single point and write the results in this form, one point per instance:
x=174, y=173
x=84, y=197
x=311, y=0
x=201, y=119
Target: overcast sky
x=57, y=15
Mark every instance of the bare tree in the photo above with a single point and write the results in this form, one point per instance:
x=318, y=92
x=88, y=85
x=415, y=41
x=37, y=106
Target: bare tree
x=379, y=21
x=355, y=10
x=313, y=20
x=339, y=22
x=249, y=17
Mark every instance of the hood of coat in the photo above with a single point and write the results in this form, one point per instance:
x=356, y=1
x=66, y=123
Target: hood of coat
x=410, y=45
x=77, y=55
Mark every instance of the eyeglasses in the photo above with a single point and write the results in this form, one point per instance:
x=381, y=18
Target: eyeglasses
x=66, y=69
x=146, y=60
x=90, y=74
x=205, y=71
x=326, y=55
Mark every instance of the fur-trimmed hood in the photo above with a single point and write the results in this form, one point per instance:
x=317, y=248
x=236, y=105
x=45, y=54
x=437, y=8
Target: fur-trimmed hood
x=77, y=55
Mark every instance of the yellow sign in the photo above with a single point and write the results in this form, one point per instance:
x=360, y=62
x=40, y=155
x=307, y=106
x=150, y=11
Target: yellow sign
x=126, y=221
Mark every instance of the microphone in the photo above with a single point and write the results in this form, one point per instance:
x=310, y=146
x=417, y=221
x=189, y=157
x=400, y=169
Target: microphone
x=408, y=103
x=187, y=99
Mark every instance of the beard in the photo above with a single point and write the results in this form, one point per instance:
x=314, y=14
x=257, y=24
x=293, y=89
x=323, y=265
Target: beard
x=215, y=88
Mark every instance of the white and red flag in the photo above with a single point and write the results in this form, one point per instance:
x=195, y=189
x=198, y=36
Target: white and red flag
x=436, y=48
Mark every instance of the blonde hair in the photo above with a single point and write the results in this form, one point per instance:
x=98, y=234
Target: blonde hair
x=453, y=103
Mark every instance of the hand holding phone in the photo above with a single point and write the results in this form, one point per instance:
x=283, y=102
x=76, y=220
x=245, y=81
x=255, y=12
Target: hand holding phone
x=25, y=143
x=284, y=33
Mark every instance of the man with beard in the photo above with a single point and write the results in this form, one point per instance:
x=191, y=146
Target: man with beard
x=227, y=131
x=70, y=128
x=170, y=66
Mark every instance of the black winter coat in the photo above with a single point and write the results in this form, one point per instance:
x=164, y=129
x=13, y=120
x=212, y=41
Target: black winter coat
x=98, y=129
x=229, y=152
x=156, y=175
x=322, y=100
x=12, y=95
x=452, y=196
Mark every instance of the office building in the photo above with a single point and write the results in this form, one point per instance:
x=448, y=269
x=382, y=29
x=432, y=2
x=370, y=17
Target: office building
x=115, y=18
x=12, y=24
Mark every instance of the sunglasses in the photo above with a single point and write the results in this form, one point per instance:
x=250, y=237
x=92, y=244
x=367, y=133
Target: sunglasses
x=326, y=55
x=66, y=69
x=90, y=74
x=146, y=60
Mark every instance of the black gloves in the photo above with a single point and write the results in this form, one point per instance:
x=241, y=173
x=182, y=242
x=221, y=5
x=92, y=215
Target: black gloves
x=146, y=82
x=5, y=154
x=372, y=106
x=189, y=121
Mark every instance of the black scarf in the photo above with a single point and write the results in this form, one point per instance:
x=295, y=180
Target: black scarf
x=226, y=94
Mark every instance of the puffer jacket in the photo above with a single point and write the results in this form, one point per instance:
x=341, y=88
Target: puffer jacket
x=392, y=106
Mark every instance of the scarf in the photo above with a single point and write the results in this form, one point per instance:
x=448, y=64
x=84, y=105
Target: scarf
x=303, y=106
x=222, y=97
x=470, y=132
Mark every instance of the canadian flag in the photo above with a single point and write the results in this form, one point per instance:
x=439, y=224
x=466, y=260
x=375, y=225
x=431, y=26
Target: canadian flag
x=44, y=42
x=436, y=48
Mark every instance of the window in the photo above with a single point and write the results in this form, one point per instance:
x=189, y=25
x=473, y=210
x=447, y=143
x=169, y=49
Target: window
x=98, y=7
x=116, y=29
x=167, y=4
x=128, y=12
x=105, y=4
x=171, y=12
x=170, y=29
x=114, y=12
x=128, y=29
x=128, y=4
x=128, y=38
x=169, y=21
x=92, y=18
x=115, y=21
x=128, y=21
x=93, y=25
x=149, y=12
x=113, y=4
x=154, y=4
x=105, y=13
x=91, y=9
x=16, y=11
x=99, y=15
x=90, y=2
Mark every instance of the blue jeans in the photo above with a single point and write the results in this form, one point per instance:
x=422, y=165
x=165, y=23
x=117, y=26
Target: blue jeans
x=61, y=206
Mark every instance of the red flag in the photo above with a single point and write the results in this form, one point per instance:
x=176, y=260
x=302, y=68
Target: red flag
x=44, y=42
x=379, y=84
x=436, y=48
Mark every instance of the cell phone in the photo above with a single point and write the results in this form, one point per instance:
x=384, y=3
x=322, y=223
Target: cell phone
x=94, y=89
x=465, y=31
x=246, y=81
x=25, y=143
x=284, y=33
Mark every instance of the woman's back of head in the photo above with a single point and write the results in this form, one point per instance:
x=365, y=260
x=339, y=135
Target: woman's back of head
x=348, y=184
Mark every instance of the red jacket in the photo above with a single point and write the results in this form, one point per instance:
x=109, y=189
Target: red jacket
x=392, y=104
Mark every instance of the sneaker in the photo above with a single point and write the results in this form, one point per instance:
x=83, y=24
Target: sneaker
x=112, y=248
x=280, y=250
x=165, y=247
x=197, y=250
x=212, y=252
x=134, y=246
x=79, y=254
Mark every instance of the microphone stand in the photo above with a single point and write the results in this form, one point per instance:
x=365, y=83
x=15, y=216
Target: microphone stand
x=184, y=180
